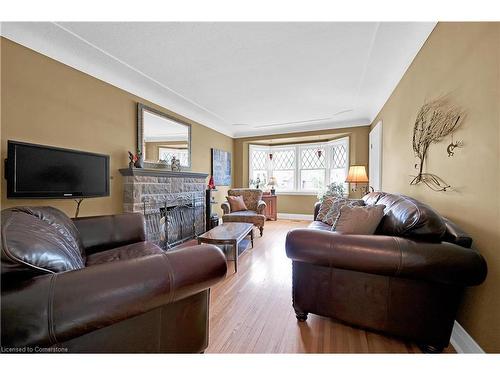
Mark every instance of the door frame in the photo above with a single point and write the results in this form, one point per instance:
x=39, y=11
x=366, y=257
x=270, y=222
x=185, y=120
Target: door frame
x=371, y=136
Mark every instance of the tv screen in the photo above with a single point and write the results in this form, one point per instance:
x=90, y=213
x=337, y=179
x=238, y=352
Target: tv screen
x=36, y=171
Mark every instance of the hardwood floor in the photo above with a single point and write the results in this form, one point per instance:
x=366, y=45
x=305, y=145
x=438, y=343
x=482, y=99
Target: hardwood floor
x=251, y=311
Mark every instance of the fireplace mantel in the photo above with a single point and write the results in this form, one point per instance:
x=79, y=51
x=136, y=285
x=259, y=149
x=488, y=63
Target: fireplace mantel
x=156, y=172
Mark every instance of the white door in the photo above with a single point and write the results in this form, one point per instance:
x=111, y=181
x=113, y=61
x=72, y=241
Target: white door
x=375, y=165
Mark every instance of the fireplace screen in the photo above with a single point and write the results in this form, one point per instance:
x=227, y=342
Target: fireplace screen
x=169, y=225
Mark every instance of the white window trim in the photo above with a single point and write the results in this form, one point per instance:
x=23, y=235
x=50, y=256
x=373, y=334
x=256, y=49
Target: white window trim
x=298, y=147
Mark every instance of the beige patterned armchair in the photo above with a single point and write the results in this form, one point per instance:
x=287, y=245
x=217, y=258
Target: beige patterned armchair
x=254, y=214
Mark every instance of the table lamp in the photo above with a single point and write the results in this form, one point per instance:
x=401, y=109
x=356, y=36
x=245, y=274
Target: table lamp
x=272, y=182
x=357, y=175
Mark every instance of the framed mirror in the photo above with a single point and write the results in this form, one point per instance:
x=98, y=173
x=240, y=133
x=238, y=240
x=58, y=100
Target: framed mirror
x=161, y=137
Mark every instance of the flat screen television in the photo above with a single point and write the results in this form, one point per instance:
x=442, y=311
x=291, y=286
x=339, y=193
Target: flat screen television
x=37, y=171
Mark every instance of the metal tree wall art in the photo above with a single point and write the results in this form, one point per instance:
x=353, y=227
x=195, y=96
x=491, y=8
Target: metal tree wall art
x=435, y=120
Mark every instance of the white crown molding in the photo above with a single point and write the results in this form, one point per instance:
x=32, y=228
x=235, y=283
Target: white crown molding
x=304, y=128
x=463, y=342
x=56, y=42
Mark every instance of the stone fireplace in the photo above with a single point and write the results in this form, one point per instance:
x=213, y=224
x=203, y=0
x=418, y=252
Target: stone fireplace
x=173, y=203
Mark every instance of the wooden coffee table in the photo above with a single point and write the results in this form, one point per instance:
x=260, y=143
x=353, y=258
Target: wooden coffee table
x=228, y=234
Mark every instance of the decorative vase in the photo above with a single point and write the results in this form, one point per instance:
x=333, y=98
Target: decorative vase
x=211, y=183
x=139, y=163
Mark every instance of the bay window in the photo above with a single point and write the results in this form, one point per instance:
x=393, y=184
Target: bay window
x=258, y=165
x=300, y=168
x=282, y=166
x=166, y=153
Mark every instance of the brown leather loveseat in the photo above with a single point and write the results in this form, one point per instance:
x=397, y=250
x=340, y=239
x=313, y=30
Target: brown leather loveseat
x=95, y=285
x=407, y=280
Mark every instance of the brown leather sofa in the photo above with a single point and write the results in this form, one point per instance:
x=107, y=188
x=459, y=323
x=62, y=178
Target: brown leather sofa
x=95, y=285
x=407, y=280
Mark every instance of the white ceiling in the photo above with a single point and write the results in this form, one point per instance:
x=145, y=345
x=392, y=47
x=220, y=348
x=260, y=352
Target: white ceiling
x=242, y=79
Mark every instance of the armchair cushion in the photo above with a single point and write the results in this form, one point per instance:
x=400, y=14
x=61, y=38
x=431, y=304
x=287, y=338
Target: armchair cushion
x=236, y=203
x=245, y=217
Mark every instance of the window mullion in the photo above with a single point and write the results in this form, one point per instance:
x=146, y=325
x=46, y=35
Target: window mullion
x=297, y=161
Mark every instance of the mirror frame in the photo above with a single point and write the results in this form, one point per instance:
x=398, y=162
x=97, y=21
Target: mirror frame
x=140, y=135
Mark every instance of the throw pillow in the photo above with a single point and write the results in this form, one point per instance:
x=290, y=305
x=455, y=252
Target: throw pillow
x=325, y=206
x=359, y=220
x=338, y=203
x=236, y=203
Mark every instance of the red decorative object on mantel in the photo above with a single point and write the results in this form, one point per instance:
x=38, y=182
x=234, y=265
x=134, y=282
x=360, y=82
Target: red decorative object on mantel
x=211, y=184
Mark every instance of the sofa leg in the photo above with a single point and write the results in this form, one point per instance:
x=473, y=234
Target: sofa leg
x=431, y=349
x=301, y=316
x=261, y=230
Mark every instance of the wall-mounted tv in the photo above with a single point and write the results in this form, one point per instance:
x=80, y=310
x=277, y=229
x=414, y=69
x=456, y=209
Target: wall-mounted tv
x=37, y=171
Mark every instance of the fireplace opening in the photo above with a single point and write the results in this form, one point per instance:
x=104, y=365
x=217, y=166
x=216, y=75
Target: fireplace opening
x=170, y=224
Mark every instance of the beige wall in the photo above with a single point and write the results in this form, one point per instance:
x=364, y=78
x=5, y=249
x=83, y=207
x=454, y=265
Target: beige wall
x=462, y=59
x=300, y=204
x=46, y=102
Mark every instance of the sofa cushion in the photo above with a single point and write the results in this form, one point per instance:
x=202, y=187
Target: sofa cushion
x=236, y=203
x=359, y=220
x=127, y=252
x=319, y=225
x=39, y=240
x=407, y=217
x=337, y=204
x=373, y=197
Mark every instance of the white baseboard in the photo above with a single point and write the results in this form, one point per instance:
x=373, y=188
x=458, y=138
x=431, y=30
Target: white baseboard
x=463, y=342
x=295, y=216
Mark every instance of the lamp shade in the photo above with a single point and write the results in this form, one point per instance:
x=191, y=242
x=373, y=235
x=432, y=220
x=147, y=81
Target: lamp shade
x=272, y=181
x=357, y=174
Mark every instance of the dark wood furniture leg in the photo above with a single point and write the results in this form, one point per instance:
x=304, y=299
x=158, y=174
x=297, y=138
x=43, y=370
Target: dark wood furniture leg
x=235, y=256
x=301, y=316
x=251, y=237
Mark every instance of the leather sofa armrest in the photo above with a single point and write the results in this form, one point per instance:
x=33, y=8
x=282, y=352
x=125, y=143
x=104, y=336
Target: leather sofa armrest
x=261, y=206
x=385, y=255
x=55, y=308
x=226, y=208
x=317, y=205
x=455, y=234
x=99, y=233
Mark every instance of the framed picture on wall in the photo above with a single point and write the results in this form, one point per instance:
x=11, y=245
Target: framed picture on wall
x=221, y=167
